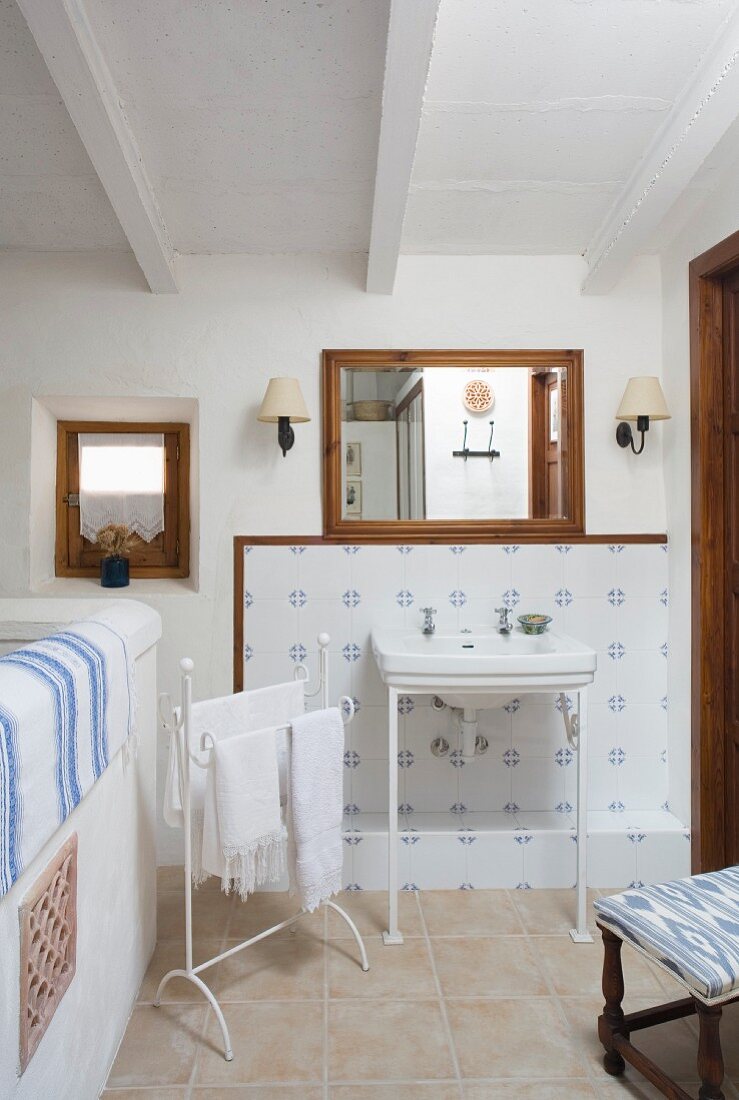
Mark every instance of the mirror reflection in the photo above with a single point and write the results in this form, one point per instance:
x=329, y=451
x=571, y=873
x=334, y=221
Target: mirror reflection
x=451, y=443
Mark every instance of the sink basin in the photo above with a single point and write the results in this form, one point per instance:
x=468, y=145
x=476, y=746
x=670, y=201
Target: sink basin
x=472, y=668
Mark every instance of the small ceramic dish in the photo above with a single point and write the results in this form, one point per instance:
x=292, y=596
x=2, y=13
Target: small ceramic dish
x=534, y=624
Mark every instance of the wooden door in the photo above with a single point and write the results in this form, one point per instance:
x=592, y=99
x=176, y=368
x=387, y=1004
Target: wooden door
x=545, y=473
x=731, y=592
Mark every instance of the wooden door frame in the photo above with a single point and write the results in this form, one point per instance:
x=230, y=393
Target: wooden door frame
x=706, y=272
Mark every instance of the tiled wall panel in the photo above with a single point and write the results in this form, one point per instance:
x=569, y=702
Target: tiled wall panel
x=612, y=597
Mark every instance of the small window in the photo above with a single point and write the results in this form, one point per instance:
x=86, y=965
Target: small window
x=123, y=473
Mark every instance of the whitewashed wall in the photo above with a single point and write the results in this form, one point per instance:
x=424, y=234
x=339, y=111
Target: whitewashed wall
x=515, y=804
x=476, y=489
x=85, y=324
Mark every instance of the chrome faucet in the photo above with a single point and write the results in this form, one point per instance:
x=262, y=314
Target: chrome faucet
x=429, y=626
x=505, y=624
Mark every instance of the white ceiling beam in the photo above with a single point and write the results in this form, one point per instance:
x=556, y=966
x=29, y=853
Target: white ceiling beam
x=410, y=41
x=700, y=117
x=66, y=41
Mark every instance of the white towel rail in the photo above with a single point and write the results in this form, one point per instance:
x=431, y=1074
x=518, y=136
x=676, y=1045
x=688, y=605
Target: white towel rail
x=178, y=722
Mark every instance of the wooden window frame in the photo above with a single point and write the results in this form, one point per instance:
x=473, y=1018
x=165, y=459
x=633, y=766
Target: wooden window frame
x=74, y=556
x=337, y=528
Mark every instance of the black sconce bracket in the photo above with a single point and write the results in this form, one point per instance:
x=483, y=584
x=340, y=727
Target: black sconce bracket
x=466, y=453
x=285, y=434
x=625, y=436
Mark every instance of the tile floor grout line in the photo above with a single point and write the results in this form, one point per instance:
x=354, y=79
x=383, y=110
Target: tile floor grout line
x=440, y=996
x=208, y=1009
x=325, y=1003
x=557, y=1004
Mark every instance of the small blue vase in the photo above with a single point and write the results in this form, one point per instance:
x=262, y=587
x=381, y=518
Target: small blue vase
x=114, y=572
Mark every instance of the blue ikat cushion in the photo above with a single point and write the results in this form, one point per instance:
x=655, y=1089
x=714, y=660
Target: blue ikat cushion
x=690, y=927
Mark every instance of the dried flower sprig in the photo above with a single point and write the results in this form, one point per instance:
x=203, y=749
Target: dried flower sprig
x=116, y=539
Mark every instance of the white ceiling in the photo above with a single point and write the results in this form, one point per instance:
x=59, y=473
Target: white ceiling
x=50, y=196
x=537, y=111
x=258, y=121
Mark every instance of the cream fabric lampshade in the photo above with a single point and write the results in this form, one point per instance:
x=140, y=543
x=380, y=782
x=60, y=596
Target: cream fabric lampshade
x=643, y=397
x=283, y=398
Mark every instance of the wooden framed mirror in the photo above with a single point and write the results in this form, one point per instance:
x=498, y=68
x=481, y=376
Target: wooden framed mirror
x=468, y=445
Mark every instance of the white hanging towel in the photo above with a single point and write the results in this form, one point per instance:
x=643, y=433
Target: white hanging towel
x=245, y=788
x=315, y=806
x=224, y=718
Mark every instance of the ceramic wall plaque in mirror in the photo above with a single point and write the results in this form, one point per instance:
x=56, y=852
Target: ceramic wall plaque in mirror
x=453, y=444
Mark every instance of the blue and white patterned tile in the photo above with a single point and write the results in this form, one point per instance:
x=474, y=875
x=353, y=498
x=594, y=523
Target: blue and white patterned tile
x=371, y=613
x=663, y=856
x=537, y=572
x=323, y=616
x=590, y=572
x=271, y=572
x=431, y=784
x=645, y=778
x=642, y=623
x=369, y=786
x=438, y=860
x=642, y=570
x=267, y=623
x=484, y=570
x=484, y=784
x=611, y=860
x=431, y=572
x=367, y=733
x=592, y=621
x=550, y=861
x=325, y=572
x=643, y=730
x=377, y=572
x=495, y=861
x=642, y=676
x=537, y=782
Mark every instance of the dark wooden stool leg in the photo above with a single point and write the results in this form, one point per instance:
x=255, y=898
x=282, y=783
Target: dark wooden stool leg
x=710, y=1059
x=611, y=1021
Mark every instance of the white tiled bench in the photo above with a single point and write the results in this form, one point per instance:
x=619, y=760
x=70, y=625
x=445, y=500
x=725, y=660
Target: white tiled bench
x=691, y=929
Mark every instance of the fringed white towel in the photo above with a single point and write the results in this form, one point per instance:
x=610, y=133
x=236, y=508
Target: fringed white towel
x=315, y=806
x=223, y=718
x=246, y=791
x=67, y=706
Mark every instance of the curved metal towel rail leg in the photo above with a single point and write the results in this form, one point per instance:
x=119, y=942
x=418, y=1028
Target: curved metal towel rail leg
x=177, y=720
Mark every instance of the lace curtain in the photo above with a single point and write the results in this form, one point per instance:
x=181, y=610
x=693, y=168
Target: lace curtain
x=121, y=481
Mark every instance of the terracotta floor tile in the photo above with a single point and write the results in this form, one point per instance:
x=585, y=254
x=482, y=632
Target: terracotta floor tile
x=550, y=912
x=470, y=913
x=407, y=1091
x=481, y=966
x=368, y=910
x=144, y=1094
x=672, y=1045
x=261, y=911
x=210, y=914
x=170, y=955
x=272, y=1043
x=399, y=972
x=159, y=1046
x=523, y=1038
x=576, y=969
x=574, y=1089
x=387, y=1041
x=284, y=967
x=259, y=1092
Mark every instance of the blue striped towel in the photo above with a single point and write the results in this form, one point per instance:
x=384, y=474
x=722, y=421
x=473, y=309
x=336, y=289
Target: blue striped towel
x=67, y=705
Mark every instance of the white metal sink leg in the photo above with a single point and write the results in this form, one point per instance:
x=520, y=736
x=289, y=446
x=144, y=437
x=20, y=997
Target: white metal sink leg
x=580, y=933
x=393, y=934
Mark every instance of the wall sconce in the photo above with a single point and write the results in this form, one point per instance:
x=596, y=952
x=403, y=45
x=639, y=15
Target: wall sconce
x=642, y=401
x=282, y=403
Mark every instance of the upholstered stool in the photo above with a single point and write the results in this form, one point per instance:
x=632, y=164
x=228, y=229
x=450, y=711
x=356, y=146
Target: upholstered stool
x=691, y=929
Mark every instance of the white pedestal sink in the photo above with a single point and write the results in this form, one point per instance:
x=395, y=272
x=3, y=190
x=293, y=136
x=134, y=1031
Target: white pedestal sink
x=477, y=669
